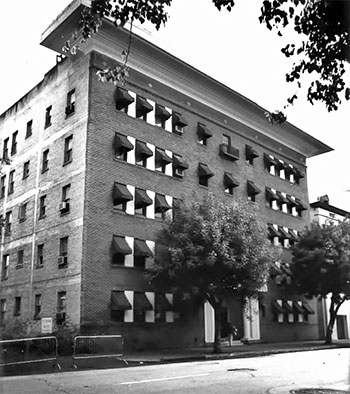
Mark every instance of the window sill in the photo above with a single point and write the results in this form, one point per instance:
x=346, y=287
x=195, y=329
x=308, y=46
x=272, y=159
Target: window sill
x=45, y=170
x=64, y=213
x=47, y=125
x=18, y=267
x=39, y=266
x=70, y=114
x=67, y=162
x=21, y=220
x=284, y=213
x=41, y=217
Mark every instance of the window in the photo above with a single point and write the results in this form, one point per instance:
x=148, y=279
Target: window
x=178, y=123
x=70, y=108
x=204, y=174
x=142, y=201
x=22, y=212
x=64, y=206
x=122, y=146
x=14, y=143
x=270, y=164
x=63, y=253
x=48, y=116
x=8, y=220
x=26, y=169
x=5, y=153
x=250, y=154
x=227, y=151
x=119, y=304
x=5, y=267
x=42, y=207
x=162, y=115
x=121, y=196
x=203, y=134
x=271, y=198
x=252, y=191
x=68, y=150
x=120, y=248
x=141, y=253
x=2, y=310
x=161, y=160
x=40, y=256
x=11, y=187
x=142, y=153
x=161, y=206
x=61, y=308
x=20, y=254
x=123, y=99
x=179, y=166
x=226, y=140
x=45, y=162
x=37, y=306
x=143, y=107
x=2, y=186
x=17, y=308
x=141, y=306
x=162, y=305
x=230, y=182
x=29, y=130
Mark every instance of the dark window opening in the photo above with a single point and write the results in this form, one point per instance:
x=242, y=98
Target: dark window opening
x=22, y=212
x=14, y=143
x=42, y=207
x=20, y=255
x=26, y=169
x=37, y=306
x=68, y=150
x=45, y=163
x=8, y=220
x=29, y=130
x=70, y=108
x=17, y=308
x=48, y=116
x=40, y=256
x=2, y=186
x=11, y=187
x=63, y=253
x=5, y=152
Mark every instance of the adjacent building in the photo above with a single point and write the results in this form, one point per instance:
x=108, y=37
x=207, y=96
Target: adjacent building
x=95, y=168
x=323, y=212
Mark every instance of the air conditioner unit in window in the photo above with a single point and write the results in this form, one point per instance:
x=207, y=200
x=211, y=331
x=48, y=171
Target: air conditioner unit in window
x=178, y=172
x=63, y=206
x=62, y=261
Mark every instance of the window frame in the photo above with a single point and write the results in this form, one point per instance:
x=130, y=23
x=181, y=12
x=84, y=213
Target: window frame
x=39, y=256
x=68, y=150
x=45, y=161
x=14, y=143
x=5, y=266
x=48, y=116
x=37, y=306
x=42, y=206
x=26, y=169
x=17, y=306
x=29, y=129
x=70, y=108
x=11, y=183
x=20, y=258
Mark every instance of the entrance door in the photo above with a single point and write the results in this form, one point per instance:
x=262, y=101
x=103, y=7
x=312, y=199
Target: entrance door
x=342, y=327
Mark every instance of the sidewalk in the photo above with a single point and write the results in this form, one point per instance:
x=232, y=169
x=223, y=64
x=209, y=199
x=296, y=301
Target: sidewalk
x=239, y=350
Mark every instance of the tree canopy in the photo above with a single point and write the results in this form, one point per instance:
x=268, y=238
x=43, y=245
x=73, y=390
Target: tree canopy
x=213, y=251
x=321, y=265
x=321, y=46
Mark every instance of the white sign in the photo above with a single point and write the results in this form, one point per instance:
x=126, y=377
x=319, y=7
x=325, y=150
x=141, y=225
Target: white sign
x=46, y=325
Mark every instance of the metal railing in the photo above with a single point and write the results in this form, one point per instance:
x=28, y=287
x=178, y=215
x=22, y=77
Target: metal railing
x=96, y=346
x=29, y=350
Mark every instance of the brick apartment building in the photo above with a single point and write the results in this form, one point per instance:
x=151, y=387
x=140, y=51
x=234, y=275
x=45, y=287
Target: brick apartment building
x=94, y=169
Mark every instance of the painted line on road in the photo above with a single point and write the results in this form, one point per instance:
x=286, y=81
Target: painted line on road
x=163, y=379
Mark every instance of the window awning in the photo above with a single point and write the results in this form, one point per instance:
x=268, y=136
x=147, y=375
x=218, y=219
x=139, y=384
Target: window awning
x=122, y=143
x=275, y=270
x=298, y=173
x=161, y=204
x=179, y=120
x=283, y=233
x=203, y=170
x=269, y=160
x=280, y=165
x=281, y=198
x=308, y=309
x=230, y=180
x=119, y=302
x=291, y=201
x=270, y=195
x=250, y=152
x=119, y=245
x=298, y=308
x=252, y=188
x=273, y=232
x=203, y=131
x=142, y=199
x=292, y=234
x=300, y=206
x=162, y=113
x=179, y=162
x=141, y=248
x=122, y=98
x=277, y=308
x=229, y=152
x=142, y=150
x=162, y=157
x=141, y=302
x=142, y=106
x=162, y=304
x=287, y=307
x=121, y=193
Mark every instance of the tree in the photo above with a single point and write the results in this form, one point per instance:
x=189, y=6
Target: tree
x=322, y=28
x=213, y=251
x=321, y=266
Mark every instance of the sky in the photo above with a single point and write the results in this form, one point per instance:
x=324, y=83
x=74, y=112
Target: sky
x=232, y=48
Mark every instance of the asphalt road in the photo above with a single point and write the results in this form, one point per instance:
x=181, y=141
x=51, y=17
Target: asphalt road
x=271, y=374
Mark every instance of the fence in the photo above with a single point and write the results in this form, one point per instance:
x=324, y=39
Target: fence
x=28, y=350
x=86, y=347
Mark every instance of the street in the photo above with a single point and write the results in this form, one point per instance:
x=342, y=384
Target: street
x=270, y=374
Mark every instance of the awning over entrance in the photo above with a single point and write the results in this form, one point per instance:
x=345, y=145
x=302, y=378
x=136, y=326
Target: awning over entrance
x=119, y=302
